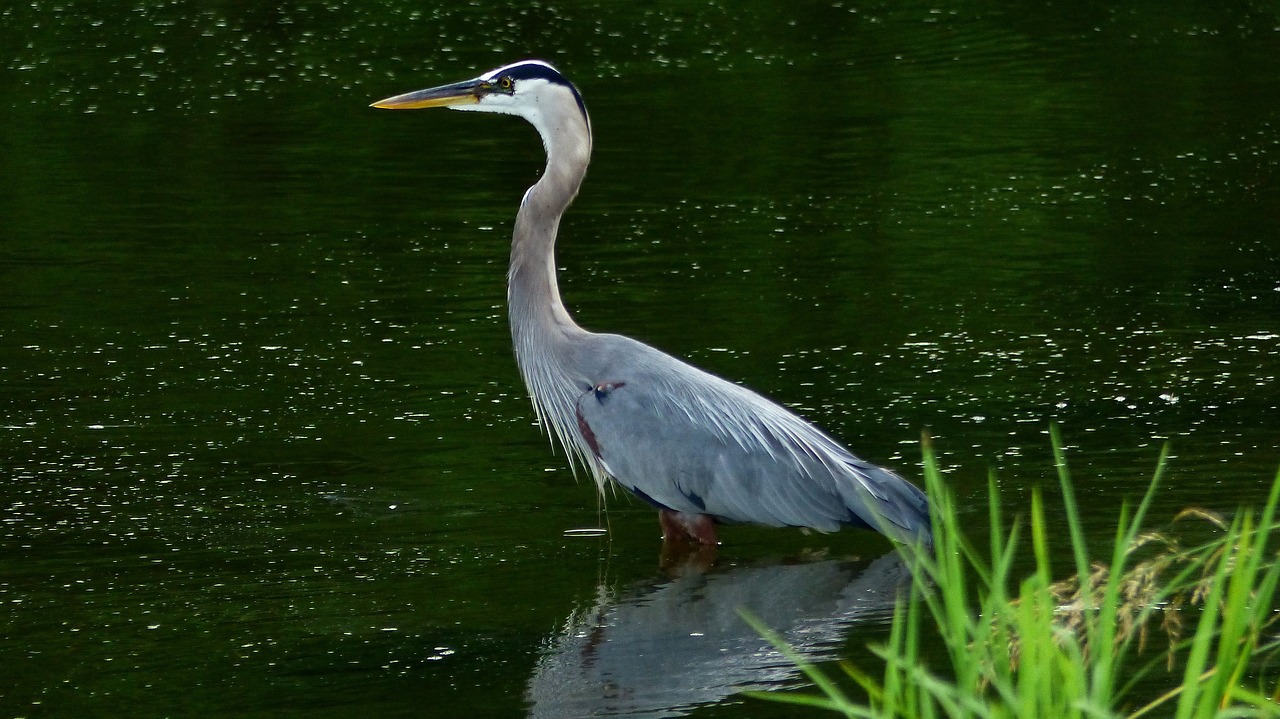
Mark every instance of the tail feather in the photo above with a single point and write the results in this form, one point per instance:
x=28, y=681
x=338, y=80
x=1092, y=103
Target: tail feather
x=900, y=513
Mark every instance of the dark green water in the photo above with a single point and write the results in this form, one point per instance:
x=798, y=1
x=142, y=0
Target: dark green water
x=264, y=447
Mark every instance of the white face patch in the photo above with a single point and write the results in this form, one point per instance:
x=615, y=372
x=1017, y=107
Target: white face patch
x=523, y=101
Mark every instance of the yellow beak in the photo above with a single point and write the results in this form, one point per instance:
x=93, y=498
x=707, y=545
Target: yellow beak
x=467, y=92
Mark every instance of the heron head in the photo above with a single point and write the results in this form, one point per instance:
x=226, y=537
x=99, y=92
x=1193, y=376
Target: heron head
x=530, y=89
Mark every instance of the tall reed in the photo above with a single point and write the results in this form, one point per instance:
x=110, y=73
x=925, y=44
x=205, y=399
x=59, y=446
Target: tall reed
x=1027, y=646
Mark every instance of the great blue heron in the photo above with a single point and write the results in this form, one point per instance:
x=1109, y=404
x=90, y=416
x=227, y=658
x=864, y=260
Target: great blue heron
x=697, y=447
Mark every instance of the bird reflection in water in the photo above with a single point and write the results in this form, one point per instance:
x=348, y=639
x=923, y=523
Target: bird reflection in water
x=661, y=650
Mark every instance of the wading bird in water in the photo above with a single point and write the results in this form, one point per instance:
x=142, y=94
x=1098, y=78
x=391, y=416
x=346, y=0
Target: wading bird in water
x=700, y=449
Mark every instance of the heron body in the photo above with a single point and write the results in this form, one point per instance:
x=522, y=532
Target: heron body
x=701, y=449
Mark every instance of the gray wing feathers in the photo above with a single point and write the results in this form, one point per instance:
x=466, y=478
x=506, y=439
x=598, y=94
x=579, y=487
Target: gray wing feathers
x=693, y=442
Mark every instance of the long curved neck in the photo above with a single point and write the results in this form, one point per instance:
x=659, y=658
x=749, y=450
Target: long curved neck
x=537, y=313
x=543, y=332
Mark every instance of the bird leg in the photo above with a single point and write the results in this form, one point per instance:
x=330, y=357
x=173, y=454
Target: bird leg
x=683, y=526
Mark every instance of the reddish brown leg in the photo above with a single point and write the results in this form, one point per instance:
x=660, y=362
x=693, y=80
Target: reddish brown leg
x=682, y=526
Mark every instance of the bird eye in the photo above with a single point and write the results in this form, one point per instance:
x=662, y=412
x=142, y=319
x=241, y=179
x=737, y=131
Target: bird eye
x=505, y=83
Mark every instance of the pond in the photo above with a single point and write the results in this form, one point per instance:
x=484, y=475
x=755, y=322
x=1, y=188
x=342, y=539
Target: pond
x=265, y=448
